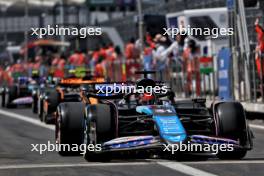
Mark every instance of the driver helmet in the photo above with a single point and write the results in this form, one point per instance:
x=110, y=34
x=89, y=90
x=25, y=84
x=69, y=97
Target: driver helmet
x=147, y=99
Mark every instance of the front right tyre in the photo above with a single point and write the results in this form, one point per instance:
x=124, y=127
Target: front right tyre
x=231, y=124
x=99, y=128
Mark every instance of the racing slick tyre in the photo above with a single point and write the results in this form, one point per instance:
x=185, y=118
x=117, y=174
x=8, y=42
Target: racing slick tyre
x=53, y=99
x=35, y=103
x=3, y=97
x=10, y=95
x=232, y=124
x=99, y=128
x=40, y=108
x=69, y=126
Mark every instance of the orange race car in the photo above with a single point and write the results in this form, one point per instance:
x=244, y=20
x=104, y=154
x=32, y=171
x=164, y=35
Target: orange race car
x=67, y=90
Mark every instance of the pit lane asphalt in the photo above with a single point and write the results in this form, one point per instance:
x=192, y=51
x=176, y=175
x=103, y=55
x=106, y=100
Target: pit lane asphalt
x=16, y=158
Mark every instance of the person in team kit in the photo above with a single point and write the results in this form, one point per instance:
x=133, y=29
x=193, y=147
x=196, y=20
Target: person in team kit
x=259, y=55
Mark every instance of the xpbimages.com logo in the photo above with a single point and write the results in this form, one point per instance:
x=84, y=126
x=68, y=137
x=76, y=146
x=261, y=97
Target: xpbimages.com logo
x=108, y=89
x=191, y=31
x=51, y=147
x=195, y=147
x=66, y=31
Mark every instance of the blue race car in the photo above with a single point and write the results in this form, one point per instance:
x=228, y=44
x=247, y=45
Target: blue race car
x=129, y=122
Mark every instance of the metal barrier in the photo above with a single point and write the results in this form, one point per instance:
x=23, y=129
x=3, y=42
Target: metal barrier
x=175, y=74
x=121, y=70
x=256, y=82
x=196, y=83
x=257, y=76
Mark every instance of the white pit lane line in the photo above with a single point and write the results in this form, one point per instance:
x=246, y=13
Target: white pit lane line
x=260, y=127
x=62, y=165
x=188, y=170
x=26, y=119
x=219, y=162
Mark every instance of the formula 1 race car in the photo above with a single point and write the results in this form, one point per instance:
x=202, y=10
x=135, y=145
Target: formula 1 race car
x=38, y=96
x=67, y=90
x=138, y=121
x=19, y=93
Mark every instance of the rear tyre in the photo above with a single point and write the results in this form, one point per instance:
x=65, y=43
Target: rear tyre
x=10, y=95
x=99, y=128
x=40, y=108
x=69, y=126
x=35, y=104
x=53, y=100
x=232, y=124
x=3, y=103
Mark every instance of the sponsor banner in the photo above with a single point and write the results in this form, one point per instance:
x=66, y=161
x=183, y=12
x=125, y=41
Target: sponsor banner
x=224, y=62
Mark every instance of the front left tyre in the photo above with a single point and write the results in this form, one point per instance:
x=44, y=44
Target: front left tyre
x=69, y=126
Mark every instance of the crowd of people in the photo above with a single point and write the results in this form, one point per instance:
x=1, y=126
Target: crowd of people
x=109, y=61
x=117, y=64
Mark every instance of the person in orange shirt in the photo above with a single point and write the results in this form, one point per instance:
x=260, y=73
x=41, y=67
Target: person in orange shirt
x=14, y=71
x=103, y=51
x=150, y=41
x=110, y=53
x=95, y=57
x=132, y=56
x=99, y=68
x=110, y=57
x=1, y=76
x=77, y=59
x=129, y=49
x=260, y=53
x=37, y=63
x=58, y=63
x=259, y=48
x=55, y=61
x=6, y=77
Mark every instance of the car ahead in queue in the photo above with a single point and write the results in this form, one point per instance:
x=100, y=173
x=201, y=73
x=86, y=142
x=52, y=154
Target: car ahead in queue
x=66, y=90
x=20, y=92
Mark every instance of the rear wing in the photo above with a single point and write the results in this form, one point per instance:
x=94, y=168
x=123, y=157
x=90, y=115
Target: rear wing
x=79, y=81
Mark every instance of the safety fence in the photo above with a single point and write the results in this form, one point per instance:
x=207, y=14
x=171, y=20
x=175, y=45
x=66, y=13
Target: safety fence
x=185, y=79
x=208, y=77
